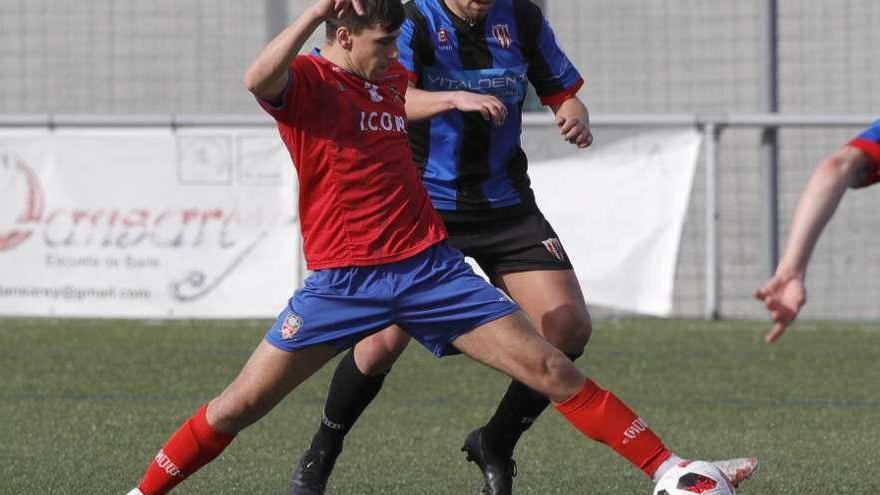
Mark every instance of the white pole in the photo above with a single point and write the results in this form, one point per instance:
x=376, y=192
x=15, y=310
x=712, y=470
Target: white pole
x=769, y=103
x=711, y=136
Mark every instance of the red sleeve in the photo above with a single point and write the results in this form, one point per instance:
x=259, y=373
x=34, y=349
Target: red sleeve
x=872, y=149
x=302, y=78
x=558, y=98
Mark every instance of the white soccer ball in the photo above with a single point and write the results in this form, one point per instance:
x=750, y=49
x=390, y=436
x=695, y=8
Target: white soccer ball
x=694, y=477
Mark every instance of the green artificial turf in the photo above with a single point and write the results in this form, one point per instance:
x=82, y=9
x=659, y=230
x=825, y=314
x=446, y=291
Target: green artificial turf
x=85, y=404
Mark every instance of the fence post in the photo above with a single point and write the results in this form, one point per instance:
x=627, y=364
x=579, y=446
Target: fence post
x=769, y=103
x=711, y=137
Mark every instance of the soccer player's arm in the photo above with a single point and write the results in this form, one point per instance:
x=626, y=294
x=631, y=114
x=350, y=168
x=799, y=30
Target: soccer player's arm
x=271, y=76
x=784, y=294
x=555, y=78
x=422, y=104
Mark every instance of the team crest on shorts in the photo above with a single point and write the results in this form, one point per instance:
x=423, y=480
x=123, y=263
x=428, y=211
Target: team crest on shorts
x=555, y=248
x=292, y=323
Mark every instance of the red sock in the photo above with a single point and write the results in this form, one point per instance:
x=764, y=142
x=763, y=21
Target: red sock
x=600, y=415
x=192, y=446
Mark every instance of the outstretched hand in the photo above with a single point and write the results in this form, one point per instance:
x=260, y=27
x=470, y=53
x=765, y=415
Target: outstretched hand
x=784, y=296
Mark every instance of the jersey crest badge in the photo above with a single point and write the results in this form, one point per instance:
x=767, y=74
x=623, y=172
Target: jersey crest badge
x=554, y=247
x=502, y=35
x=395, y=93
x=374, y=92
x=291, y=325
x=443, y=39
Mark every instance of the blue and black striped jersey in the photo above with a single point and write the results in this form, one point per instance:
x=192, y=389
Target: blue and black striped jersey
x=472, y=168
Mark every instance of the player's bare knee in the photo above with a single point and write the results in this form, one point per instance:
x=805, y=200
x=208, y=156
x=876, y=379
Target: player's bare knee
x=378, y=364
x=568, y=328
x=585, y=331
x=377, y=354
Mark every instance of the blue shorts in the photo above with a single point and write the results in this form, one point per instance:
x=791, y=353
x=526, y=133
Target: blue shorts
x=434, y=296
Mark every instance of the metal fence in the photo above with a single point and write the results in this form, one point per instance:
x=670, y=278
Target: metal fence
x=657, y=57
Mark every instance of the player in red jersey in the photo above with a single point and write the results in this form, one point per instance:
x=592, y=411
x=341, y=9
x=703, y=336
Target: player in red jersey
x=470, y=64
x=378, y=250
x=852, y=166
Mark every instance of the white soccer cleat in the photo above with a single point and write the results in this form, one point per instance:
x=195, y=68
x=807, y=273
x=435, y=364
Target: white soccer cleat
x=737, y=470
x=135, y=491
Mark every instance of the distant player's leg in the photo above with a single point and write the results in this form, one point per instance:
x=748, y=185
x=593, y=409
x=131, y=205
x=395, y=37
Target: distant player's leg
x=356, y=382
x=554, y=302
x=268, y=376
x=527, y=260
x=510, y=345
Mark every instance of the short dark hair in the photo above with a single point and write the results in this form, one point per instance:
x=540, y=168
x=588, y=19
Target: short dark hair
x=387, y=14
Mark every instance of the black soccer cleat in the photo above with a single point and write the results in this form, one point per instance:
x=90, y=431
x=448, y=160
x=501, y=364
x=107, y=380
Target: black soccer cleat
x=313, y=471
x=498, y=472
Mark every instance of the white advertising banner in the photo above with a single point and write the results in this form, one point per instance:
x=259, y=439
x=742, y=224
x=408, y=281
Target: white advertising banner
x=619, y=210
x=147, y=223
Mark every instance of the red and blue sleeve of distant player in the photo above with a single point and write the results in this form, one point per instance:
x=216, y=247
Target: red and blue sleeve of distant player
x=869, y=143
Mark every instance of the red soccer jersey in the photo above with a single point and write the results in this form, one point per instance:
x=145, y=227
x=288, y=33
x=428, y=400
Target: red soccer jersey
x=361, y=201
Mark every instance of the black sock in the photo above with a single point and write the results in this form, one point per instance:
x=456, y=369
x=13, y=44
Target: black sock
x=518, y=410
x=350, y=393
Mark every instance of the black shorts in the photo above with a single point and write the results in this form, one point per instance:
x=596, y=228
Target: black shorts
x=521, y=244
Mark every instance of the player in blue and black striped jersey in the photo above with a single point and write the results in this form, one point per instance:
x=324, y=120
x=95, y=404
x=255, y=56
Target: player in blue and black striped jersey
x=855, y=165
x=470, y=63
x=473, y=167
